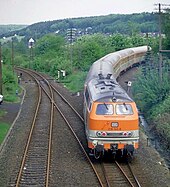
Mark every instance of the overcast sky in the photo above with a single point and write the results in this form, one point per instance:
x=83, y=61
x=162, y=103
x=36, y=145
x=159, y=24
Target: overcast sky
x=32, y=11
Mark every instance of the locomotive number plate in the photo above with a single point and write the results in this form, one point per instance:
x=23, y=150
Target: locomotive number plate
x=114, y=124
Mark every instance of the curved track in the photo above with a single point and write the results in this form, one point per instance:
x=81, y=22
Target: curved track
x=108, y=170
x=36, y=159
x=41, y=80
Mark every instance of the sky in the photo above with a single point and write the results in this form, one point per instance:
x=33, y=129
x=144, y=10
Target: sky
x=33, y=11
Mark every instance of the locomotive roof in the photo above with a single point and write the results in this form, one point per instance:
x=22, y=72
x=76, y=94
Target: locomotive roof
x=107, y=90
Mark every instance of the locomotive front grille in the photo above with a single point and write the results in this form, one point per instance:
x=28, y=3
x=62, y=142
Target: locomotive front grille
x=118, y=135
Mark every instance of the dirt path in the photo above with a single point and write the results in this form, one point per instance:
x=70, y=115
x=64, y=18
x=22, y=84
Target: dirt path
x=11, y=111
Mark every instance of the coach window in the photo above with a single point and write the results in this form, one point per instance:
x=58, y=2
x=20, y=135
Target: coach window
x=104, y=109
x=124, y=109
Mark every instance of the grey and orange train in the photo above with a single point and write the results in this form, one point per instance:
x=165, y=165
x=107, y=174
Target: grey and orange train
x=111, y=116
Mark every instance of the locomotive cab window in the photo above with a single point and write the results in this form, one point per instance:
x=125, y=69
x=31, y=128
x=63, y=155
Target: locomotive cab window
x=104, y=109
x=122, y=109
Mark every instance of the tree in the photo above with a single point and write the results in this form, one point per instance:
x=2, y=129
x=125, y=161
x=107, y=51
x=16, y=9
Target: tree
x=49, y=44
x=166, y=28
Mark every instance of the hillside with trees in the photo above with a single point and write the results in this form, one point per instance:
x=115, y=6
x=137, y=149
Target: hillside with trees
x=10, y=28
x=114, y=23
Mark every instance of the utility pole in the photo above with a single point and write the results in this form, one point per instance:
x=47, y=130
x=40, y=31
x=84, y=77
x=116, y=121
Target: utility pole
x=160, y=44
x=160, y=40
x=71, y=37
x=12, y=54
x=1, y=69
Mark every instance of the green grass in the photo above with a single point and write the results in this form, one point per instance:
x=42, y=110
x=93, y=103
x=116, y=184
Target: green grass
x=2, y=113
x=11, y=98
x=4, y=127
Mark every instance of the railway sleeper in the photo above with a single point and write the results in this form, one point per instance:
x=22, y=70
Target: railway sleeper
x=33, y=184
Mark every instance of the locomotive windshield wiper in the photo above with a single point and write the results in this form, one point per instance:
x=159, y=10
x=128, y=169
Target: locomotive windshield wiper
x=125, y=106
x=106, y=106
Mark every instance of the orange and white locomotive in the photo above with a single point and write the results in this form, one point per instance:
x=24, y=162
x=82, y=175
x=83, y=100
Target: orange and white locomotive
x=111, y=116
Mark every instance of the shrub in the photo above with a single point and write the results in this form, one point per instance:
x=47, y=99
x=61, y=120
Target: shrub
x=4, y=127
x=76, y=81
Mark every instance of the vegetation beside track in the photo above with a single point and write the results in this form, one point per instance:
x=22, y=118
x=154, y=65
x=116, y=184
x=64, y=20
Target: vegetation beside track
x=2, y=113
x=10, y=85
x=4, y=127
x=152, y=96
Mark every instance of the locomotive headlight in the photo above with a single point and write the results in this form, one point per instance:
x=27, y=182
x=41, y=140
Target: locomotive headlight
x=127, y=134
x=130, y=133
x=98, y=133
x=114, y=124
x=104, y=133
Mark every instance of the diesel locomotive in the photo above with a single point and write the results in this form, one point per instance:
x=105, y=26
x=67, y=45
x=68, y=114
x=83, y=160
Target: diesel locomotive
x=110, y=115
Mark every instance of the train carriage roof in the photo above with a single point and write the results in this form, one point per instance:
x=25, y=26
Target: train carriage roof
x=105, y=64
x=101, y=79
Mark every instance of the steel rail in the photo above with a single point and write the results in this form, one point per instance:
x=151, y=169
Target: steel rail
x=30, y=135
x=60, y=95
x=50, y=137
x=76, y=137
x=135, y=178
x=105, y=176
x=68, y=103
x=68, y=124
x=50, y=131
x=98, y=177
x=127, y=178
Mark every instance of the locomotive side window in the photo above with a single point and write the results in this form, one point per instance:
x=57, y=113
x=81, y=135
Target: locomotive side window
x=90, y=104
x=88, y=99
x=104, y=109
x=122, y=109
x=87, y=96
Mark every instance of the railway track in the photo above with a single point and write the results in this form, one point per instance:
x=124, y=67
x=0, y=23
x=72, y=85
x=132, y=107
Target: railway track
x=119, y=174
x=108, y=181
x=34, y=169
x=28, y=175
x=126, y=175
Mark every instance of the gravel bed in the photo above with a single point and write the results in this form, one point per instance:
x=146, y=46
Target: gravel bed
x=72, y=162
x=68, y=164
x=10, y=156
